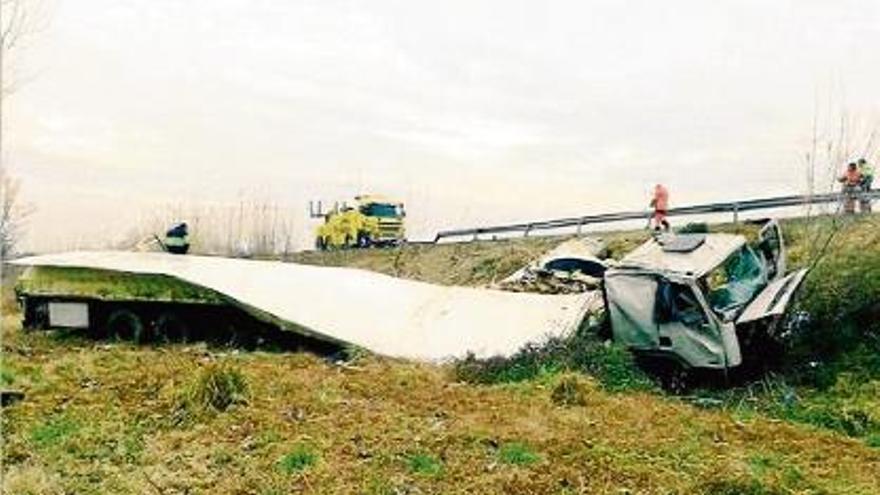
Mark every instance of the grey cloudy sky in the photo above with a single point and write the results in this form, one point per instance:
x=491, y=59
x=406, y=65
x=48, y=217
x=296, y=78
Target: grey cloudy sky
x=473, y=112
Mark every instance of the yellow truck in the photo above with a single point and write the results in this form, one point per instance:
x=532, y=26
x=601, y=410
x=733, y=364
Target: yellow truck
x=373, y=221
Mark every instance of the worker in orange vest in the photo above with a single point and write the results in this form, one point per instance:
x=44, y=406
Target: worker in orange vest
x=660, y=203
x=852, y=186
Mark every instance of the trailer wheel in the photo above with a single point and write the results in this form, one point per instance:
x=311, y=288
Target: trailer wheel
x=172, y=328
x=36, y=315
x=124, y=324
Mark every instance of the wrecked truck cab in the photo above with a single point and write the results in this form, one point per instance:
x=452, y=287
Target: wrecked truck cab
x=710, y=301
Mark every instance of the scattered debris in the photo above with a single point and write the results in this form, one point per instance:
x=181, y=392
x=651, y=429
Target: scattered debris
x=573, y=267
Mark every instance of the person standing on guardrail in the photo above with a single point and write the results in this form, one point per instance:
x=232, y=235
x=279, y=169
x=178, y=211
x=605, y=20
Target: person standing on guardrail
x=867, y=171
x=660, y=203
x=852, y=186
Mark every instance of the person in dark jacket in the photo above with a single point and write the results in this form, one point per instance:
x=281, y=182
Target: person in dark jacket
x=177, y=239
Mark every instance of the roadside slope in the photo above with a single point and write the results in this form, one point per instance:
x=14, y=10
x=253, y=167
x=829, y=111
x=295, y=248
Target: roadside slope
x=105, y=417
x=109, y=419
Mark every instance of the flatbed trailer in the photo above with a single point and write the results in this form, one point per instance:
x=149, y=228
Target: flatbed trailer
x=143, y=308
x=161, y=297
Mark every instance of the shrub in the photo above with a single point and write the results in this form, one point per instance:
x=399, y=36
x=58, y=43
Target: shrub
x=531, y=361
x=841, y=293
x=218, y=387
x=612, y=365
x=570, y=391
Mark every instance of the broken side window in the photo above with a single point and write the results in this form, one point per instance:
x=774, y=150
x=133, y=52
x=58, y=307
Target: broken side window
x=678, y=303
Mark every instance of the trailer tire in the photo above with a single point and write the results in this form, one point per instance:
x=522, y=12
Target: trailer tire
x=124, y=324
x=172, y=328
x=36, y=315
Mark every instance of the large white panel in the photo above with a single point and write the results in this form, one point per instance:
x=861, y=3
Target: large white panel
x=387, y=315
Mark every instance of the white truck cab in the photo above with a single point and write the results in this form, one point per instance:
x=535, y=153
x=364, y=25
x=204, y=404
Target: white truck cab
x=703, y=300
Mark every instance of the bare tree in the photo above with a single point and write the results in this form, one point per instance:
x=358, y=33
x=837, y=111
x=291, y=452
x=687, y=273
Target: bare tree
x=254, y=227
x=836, y=140
x=19, y=19
x=12, y=214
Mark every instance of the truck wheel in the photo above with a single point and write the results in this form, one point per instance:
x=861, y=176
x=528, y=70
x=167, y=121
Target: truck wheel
x=172, y=328
x=675, y=378
x=124, y=324
x=363, y=240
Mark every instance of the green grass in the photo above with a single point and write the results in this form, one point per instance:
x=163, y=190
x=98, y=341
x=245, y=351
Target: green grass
x=299, y=459
x=7, y=377
x=53, y=431
x=517, y=454
x=455, y=437
x=109, y=285
x=424, y=464
x=584, y=352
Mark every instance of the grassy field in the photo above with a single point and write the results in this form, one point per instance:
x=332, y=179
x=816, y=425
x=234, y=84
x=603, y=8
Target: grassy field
x=103, y=417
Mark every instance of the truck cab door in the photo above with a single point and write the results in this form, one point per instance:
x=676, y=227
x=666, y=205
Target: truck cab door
x=630, y=306
x=772, y=247
x=686, y=329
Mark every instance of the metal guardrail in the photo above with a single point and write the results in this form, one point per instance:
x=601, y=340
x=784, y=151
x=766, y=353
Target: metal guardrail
x=734, y=207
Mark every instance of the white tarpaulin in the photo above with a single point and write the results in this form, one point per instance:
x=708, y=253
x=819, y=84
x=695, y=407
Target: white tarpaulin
x=386, y=315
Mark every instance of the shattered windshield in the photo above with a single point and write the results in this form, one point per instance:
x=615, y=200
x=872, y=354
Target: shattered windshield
x=383, y=210
x=735, y=282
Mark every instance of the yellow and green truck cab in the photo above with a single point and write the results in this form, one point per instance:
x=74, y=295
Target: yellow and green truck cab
x=375, y=221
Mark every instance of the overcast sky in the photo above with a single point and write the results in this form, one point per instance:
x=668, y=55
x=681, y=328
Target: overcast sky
x=473, y=112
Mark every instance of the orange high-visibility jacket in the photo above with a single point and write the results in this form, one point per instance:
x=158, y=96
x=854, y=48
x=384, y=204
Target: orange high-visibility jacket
x=661, y=198
x=851, y=177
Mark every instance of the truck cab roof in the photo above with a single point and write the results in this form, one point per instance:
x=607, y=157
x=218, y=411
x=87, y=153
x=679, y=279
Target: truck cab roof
x=366, y=199
x=686, y=254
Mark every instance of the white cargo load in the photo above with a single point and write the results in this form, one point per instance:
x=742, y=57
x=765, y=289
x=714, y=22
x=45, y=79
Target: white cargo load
x=387, y=315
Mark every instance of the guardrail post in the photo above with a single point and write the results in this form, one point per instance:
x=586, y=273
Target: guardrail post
x=528, y=229
x=580, y=225
x=735, y=214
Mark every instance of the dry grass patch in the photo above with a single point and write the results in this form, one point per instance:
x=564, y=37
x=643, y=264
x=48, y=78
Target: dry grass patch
x=382, y=426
